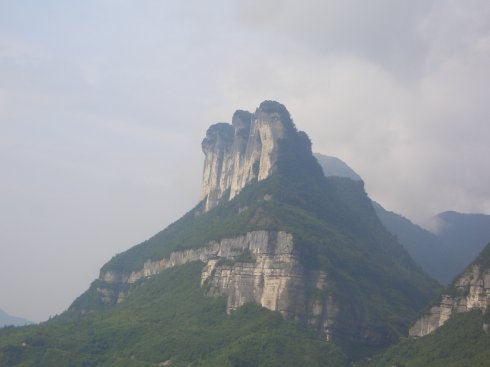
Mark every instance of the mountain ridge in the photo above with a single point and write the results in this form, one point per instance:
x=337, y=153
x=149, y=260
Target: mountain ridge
x=470, y=290
x=443, y=253
x=465, y=235
x=333, y=166
x=9, y=320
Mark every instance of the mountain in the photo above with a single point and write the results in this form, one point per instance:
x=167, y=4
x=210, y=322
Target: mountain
x=465, y=235
x=455, y=330
x=277, y=265
x=471, y=290
x=8, y=320
x=333, y=166
x=428, y=250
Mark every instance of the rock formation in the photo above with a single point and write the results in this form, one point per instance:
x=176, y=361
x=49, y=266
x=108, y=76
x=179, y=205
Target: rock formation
x=288, y=252
x=262, y=267
x=469, y=291
x=271, y=275
x=244, y=151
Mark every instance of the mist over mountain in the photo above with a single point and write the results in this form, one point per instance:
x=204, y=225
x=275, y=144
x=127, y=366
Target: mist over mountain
x=428, y=250
x=424, y=247
x=455, y=243
x=8, y=320
x=333, y=166
x=464, y=234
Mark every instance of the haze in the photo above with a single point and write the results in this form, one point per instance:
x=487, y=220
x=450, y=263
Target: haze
x=103, y=105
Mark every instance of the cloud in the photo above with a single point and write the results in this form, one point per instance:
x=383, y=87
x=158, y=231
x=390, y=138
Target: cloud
x=383, y=31
x=396, y=89
x=92, y=123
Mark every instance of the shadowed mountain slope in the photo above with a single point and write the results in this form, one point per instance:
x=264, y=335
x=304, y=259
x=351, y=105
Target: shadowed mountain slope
x=465, y=235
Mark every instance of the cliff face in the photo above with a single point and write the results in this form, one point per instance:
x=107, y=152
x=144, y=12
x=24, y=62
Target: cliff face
x=470, y=291
x=260, y=267
x=244, y=151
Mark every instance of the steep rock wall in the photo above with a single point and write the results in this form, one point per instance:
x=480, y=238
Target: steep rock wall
x=472, y=291
x=270, y=275
x=239, y=153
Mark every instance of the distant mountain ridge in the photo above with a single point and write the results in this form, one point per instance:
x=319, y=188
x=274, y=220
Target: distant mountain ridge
x=470, y=290
x=8, y=320
x=333, y=166
x=444, y=254
x=464, y=234
x=428, y=250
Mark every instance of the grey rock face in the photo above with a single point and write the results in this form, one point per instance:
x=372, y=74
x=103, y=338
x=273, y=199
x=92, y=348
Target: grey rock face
x=239, y=153
x=272, y=276
x=272, y=279
x=472, y=290
x=217, y=147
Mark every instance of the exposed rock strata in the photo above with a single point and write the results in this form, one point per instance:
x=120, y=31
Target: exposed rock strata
x=244, y=151
x=471, y=291
x=272, y=277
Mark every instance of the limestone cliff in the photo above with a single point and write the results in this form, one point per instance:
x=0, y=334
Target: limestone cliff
x=469, y=291
x=244, y=151
x=260, y=267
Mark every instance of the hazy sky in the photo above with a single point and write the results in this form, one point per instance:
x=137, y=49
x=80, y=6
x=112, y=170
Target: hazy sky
x=103, y=105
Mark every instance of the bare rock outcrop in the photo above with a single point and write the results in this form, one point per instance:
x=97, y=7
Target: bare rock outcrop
x=242, y=152
x=261, y=267
x=470, y=291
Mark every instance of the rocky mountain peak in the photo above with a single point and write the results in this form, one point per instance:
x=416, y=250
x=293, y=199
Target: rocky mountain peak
x=469, y=291
x=241, y=123
x=241, y=152
x=219, y=136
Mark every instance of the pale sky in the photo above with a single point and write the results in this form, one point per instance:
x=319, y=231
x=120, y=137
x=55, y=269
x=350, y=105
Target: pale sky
x=104, y=103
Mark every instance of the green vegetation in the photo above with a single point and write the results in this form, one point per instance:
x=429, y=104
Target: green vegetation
x=379, y=287
x=461, y=342
x=483, y=258
x=168, y=318
x=245, y=257
x=423, y=246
